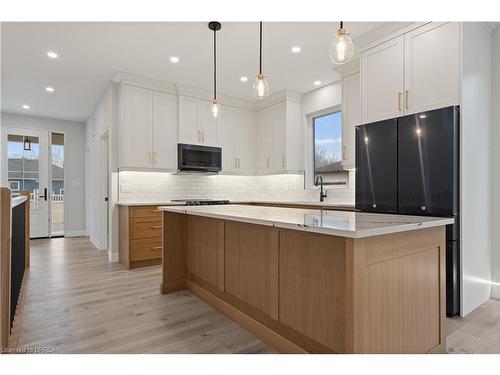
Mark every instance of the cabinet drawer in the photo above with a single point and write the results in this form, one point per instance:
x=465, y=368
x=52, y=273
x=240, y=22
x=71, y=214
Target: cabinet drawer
x=145, y=249
x=145, y=229
x=145, y=211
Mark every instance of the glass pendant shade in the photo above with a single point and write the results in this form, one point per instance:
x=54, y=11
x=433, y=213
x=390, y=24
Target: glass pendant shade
x=215, y=108
x=342, y=48
x=260, y=88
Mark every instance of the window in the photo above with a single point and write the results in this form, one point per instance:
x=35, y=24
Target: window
x=327, y=135
x=57, y=175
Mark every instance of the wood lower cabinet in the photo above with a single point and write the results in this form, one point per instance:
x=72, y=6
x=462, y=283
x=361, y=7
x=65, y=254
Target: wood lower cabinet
x=303, y=292
x=140, y=236
x=251, y=265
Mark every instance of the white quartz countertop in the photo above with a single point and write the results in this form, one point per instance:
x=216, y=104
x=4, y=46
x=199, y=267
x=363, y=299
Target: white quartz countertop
x=338, y=223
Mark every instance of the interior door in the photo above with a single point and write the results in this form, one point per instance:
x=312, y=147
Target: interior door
x=25, y=157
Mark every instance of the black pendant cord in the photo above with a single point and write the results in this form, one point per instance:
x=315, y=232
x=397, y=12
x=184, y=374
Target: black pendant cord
x=215, y=65
x=260, y=49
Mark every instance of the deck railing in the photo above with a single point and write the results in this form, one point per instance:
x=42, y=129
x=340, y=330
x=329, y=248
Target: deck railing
x=57, y=211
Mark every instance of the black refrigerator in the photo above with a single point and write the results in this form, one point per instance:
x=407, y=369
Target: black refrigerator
x=410, y=165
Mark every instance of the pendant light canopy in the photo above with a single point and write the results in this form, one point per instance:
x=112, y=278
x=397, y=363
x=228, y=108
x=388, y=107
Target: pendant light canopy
x=342, y=48
x=260, y=88
x=215, y=108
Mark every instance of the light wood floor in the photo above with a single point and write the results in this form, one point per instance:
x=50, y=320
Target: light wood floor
x=78, y=302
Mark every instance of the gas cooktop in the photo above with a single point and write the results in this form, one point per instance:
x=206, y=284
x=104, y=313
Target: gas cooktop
x=202, y=202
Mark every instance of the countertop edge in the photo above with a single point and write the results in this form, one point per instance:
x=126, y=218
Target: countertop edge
x=362, y=233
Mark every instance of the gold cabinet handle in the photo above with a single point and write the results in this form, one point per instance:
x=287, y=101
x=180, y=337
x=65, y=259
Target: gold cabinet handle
x=157, y=227
x=407, y=99
x=154, y=157
x=283, y=161
x=157, y=248
x=399, y=101
x=267, y=161
x=156, y=211
x=203, y=136
x=238, y=163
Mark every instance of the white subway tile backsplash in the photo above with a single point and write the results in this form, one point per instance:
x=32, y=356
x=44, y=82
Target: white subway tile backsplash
x=162, y=187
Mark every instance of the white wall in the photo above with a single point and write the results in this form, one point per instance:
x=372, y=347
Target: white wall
x=495, y=166
x=315, y=103
x=476, y=162
x=99, y=129
x=74, y=164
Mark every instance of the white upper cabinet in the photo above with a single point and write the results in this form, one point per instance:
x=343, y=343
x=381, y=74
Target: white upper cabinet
x=164, y=134
x=225, y=129
x=432, y=67
x=351, y=117
x=279, y=138
x=135, y=128
x=188, y=120
x=236, y=129
x=382, y=81
x=196, y=123
x=415, y=72
x=245, y=124
x=147, y=131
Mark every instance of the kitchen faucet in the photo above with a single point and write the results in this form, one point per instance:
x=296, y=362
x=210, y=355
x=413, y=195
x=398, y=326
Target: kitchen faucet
x=322, y=194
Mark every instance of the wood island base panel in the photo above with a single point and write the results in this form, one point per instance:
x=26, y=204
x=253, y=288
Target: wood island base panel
x=305, y=292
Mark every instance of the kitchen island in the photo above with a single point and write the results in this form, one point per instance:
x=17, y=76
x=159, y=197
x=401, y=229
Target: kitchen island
x=313, y=281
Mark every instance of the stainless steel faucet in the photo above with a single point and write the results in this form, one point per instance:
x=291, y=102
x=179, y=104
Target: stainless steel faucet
x=322, y=194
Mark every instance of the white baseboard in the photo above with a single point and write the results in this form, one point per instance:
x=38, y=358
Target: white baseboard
x=97, y=244
x=113, y=256
x=75, y=233
x=495, y=291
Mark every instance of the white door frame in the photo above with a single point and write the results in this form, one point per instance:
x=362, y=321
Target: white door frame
x=40, y=215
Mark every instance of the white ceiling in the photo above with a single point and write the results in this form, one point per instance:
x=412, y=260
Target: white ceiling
x=91, y=53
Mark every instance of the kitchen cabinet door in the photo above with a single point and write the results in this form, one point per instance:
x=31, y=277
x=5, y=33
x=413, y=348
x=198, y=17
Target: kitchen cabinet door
x=351, y=117
x=382, y=81
x=278, y=137
x=189, y=114
x=135, y=132
x=245, y=123
x=164, y=131
x=432, y=67
x=225, y=129
x=264, y=124
x=207, y=124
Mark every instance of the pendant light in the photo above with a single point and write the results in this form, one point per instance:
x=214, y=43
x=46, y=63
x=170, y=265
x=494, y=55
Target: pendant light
x=261, y=86
x=342, y=48
x=215, y=107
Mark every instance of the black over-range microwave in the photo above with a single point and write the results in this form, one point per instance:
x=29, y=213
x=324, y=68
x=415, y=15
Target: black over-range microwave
x=197, y=158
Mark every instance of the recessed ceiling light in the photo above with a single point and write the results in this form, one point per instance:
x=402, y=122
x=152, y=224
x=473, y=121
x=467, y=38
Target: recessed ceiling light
x=25, y=106
x=52, y=55
x=49, y=89
x=244, y=79
x=174, y=59
x=422, y=116
x=296, y=49
x=317, y=83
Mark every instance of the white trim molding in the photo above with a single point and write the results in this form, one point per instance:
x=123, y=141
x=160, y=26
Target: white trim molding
x=75, y=233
